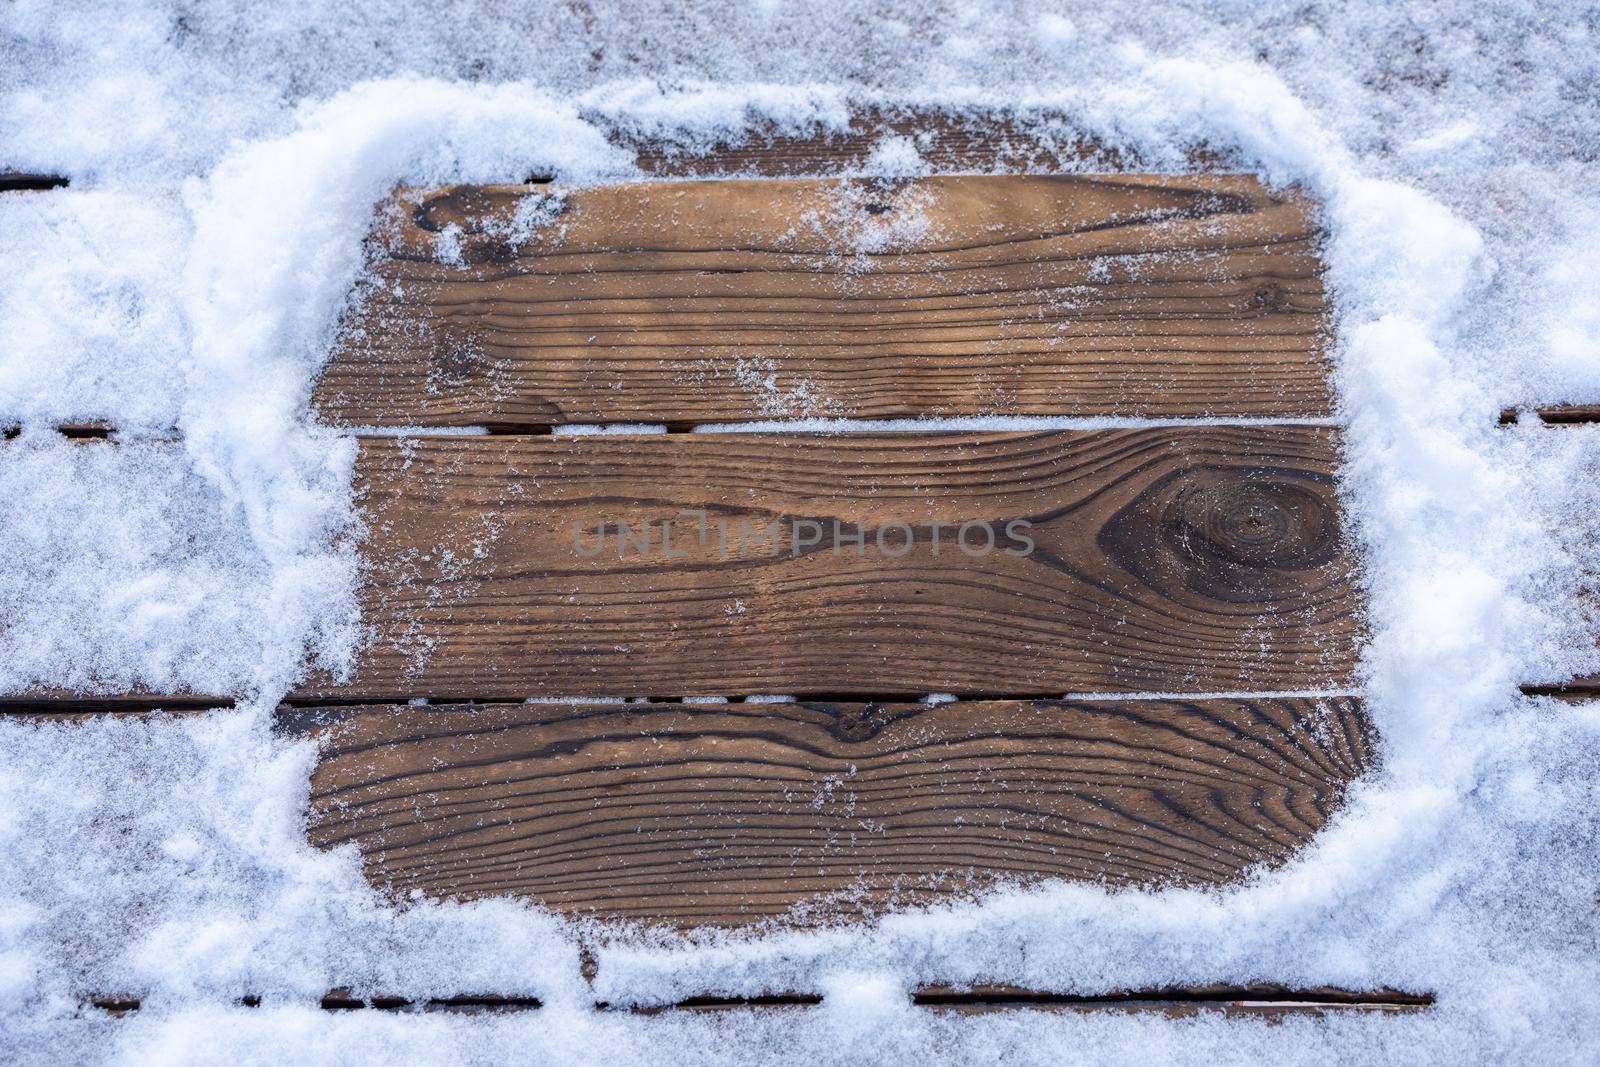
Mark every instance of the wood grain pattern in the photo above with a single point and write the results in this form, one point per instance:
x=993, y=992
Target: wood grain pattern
x=686, y=302
x=1172, y=560
x=727, y=814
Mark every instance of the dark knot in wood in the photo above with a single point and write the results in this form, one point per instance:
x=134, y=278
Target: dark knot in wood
x=1270, y=297
x=465, y=207
x=457, y=351
x=857, y=724
x=1235, y=534
x=485, y=222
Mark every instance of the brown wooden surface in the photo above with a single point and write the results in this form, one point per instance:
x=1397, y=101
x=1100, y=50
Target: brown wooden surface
x=726, y=814
x=1173, y=560
x=684, y=302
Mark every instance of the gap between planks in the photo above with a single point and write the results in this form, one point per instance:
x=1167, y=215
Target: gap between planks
x=1250, y=1000
x=109, y=432
x=1554, y=414
x=829, y=426
x=64, y=706
x=85, y=431
x=12, y=181
x=150, y=704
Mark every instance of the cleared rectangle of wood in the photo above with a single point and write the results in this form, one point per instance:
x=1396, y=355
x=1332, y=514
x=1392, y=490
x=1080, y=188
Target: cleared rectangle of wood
x=1194, y=559
x=689, y=302
x=727, y=814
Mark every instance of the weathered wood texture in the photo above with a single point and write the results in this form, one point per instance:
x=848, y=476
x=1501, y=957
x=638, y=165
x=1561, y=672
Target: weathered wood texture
x=1173, y=560
x=727, y=814
x=685, y=302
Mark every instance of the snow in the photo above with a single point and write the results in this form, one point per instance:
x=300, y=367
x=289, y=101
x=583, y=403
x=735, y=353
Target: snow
x=225, y=160
x=89, y=299
x=126, y=570
x=591, y=429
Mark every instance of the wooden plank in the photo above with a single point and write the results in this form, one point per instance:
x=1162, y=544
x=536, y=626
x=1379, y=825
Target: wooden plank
x=727, y=814
x=686, y=302
x=1174, y=560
